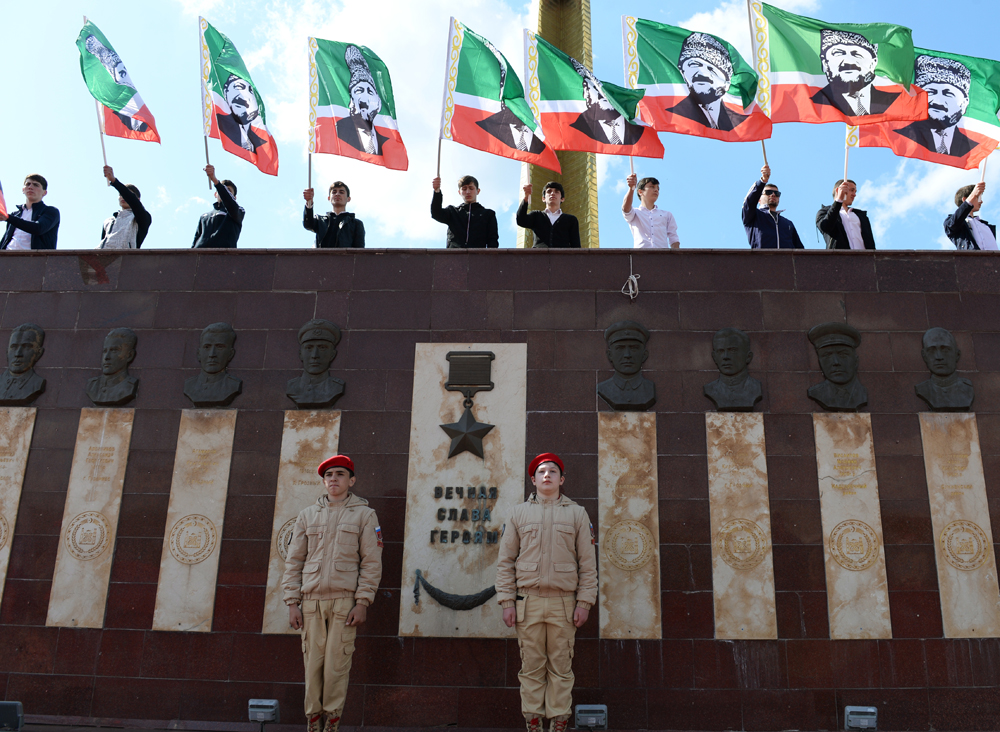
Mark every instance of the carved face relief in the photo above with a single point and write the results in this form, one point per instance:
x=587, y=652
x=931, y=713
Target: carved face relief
x=22, y=352
x=215, y=352
x=839, y=363
x=940, y=353
x=731, y=354
x=627, y=356
x=117, y=355
x=317, y=355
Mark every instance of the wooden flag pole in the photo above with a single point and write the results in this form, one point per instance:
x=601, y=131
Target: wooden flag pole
x=310, y=182
x=100, y=127
x=982, y=176
x=847, y=150
x=207, y=161
x=631, y=164
x=439, y=158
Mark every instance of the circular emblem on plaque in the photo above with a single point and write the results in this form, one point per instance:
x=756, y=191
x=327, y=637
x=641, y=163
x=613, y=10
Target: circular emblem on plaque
x=629, y=545
x=88, y=535
x=965, y=545
x=854, y=545
x=193, y=539
x=285, y=538
x=4, y=530
x=742, y=544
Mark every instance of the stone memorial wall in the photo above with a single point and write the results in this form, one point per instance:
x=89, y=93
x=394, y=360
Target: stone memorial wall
x=761, y=570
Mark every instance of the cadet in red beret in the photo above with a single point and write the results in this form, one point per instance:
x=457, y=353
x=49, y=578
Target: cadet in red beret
x=332, y=571
x=546, y=584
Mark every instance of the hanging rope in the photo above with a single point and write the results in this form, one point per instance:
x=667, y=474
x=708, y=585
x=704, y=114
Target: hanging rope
x=631, y=287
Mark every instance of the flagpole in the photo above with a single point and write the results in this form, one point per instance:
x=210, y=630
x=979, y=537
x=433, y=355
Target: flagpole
x=444, y=93
x=982, y=177
x=752, y=48
x=310, y=184
x=201, y=85
x=100, y=127
x=847, y=150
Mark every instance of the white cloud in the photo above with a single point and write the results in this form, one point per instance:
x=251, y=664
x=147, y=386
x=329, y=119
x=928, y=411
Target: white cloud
x=192, y=201
x=731, y=22
x=198, y=7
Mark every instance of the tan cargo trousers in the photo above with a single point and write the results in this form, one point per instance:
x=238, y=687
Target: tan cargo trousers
x=546, y=634
x=327, y=648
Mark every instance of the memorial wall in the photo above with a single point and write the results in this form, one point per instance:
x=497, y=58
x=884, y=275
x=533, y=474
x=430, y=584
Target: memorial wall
x=791, y=461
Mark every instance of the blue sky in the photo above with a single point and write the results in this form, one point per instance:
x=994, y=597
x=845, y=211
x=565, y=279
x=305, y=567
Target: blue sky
x=703, y=182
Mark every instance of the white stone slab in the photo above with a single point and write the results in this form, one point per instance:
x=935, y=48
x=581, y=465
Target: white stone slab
x=960, y=516
x=90, y=519
x=629, y=525
x=307, y=439
x=857, y=590
x=742, y=565
x=16, y=426
x=189, y=562
x=457, y=567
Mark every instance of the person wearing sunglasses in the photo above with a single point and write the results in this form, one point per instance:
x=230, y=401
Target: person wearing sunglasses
x=765, y=226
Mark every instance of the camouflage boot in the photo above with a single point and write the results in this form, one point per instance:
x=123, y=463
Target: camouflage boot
x=315, y=723
x=332, y=724
x=534, y=724
x=559, y=724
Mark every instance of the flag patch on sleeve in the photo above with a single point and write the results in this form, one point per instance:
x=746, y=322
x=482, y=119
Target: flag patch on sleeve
x=378, y=535
x=593, y=536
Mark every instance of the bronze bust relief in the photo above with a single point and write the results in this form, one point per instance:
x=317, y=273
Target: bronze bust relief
x=115, y=386
x=214, y=387
x=19, y=384
x=836, y=346
x=735, y=390
x=945, y=391
x=316, y=388
x=628, y=390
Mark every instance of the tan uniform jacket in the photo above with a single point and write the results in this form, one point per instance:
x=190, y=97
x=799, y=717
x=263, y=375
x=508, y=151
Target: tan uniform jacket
x=334, y=552
x=547, y=550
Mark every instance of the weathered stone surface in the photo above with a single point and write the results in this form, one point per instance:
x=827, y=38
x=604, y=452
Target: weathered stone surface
x=629, y=524
x=856, y=585
x=90, y=519
x=963, y=537
x=742, y=565
x=16, y=426
x=189, y=562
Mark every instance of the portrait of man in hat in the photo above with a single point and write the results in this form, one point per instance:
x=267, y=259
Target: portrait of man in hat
x=316, y=388
x=947, y=83
x=505, y=125
x=116, y=69
x=19, y=384
x=849, y=61
x=115, y=386
x=600, y=120
x=214, y=386
x=707, y=69
x=244, y=109
x=945, y=391
x=836, y=347
x=357, y=129
x=735, y=390
x=628, y=390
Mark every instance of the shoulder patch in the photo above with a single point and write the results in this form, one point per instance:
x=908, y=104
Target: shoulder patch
x=593, y=536
x=378, y=535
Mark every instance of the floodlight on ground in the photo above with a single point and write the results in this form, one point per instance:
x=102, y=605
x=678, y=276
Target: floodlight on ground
x=11, y=716
x=860, y=718
x=591, y=716
x=264, y=711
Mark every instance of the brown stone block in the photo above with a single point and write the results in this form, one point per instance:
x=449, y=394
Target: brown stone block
x=800, y=311
x=77, y=651
x=810, y=664
x=138, y=699
x=458, y=310
x=500, y=312
x=258, y=431
x=684, y=522
x=143, y=515
x=465, y=336
x=626, y=707
x=987, y=386
x=907, y=522
x=987, y=347
x=902, y=663
x=671, y=664
x=388, y=349
x=375, y=432
x=222, y=701
x=922, y=272
x=876, y=353
x=380, y=474
x=392, y=563
x=789, y=392
x=715, y=664
x=899, y=708
x=561, y=432
x=550, y=390
x=272, y=310
x=165, y=655
x=989, y=433
x=687, y=392
x=137, y=560
x=970, y=311
x=282, y=354
x=977, y=272
x=802, y=615
x=654, y=310
x=713, y=310
x=687, y=615
x=892, y=392
x=194, y=310
x=949, y=662
x=51, y=310
x=240, y=609
x=451, y=270
x=855, y=664
x=47, y=471
x=25, y=602
x=102, y=310
x=799, y=568
x=32, y=557
x=284, y=654
x=680, y=434
x=471, y=662
x=28, y=650
x=71, y=391
x=398, y=390
x=23, y=271
x=57, y=695
x=393, y=270
x=796, y=522
x=130, y=606
x=121, y=652
x=896, y=434
x=967, y=709
x=582, y=270
x=229, y=270
x=384, y=660
x=490, y=708
x=628, y=663
x=886, y=311
x=426, y=706
x=905, y=348
x=64, y=271
x=509, y=270
x=577, y=349
x=686, y=568
x=334, y=306
x=554, y=310
x=779, y=351
x=381, y=310
x=677, y=351
x=249, y=518
x=39, y=514
x=983, y=652
x=254, y=474
x=901, y=478
x=243, y=562
x=682, y=477
x=915, y=614
x=701, y=709
x=151, y=271
x=149, y=471
x=768, y=709
x=331, y=269
x=740, y=270
x=835, y=272
x=55, y=428
x=793, y=477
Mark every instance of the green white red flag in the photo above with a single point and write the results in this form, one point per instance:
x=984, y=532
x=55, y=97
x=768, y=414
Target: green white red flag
x=814, y=71
x=352, y=111
x=232, y=108
x=123, y=113
x=963, y=99
x=579, y=112
x=484, y=105
x=695, y=83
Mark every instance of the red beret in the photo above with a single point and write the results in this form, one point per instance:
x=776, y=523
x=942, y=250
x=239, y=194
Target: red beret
x=337, y=461
x=545, y=457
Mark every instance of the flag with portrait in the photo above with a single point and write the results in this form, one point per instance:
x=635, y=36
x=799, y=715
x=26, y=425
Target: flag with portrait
x=814, y=71
x=963, y=99
x=232, y=108
x=579, y=112
x=352, y=111
x=123, y=113
x=695, y=83
x=484, y=105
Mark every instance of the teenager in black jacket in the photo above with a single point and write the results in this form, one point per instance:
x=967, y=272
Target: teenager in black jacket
x=552, y=227
x=471, y=225
x=337, y=229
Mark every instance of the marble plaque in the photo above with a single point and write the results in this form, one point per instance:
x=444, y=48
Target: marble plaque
x=189, y=561
x=455, y=507
x=960, y=517
x=742, y=566
x=857, y=591
x=16, y=426
x=90, y=519
x=307, y=440
x=629, y=524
